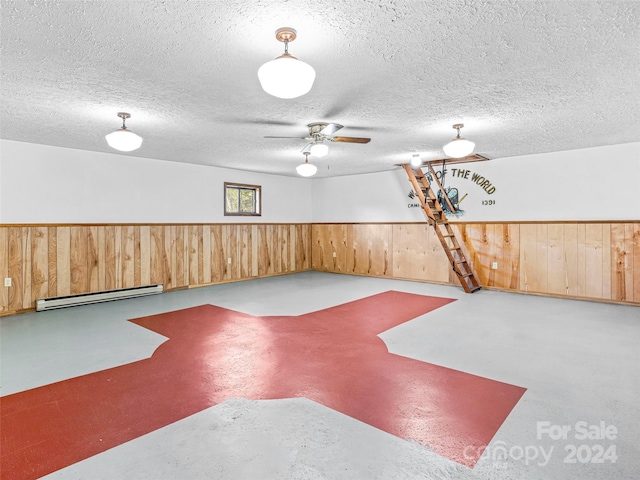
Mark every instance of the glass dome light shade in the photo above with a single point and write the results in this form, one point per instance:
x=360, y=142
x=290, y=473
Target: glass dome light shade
x=124, y=140
x=319, y=149
x=458, y=148
x=306, y=169
x=416, y=161
x=286, y=77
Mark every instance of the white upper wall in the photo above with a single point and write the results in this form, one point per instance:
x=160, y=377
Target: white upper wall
x=45, y=184
x=601, y=183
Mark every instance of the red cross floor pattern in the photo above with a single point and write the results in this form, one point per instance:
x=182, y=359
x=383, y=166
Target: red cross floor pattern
x=332, y=356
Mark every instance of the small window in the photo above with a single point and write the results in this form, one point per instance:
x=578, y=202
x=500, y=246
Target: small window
x=242, y=199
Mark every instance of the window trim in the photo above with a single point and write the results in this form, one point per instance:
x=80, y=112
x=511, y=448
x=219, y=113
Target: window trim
x=240, y=186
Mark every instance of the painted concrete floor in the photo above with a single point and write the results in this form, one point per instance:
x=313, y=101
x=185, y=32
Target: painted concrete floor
x=578, y=361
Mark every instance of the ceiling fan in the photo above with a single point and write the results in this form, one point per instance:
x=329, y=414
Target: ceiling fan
x=319, y=132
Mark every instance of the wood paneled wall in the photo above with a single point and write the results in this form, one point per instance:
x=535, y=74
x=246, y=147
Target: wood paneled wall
x=53, y=260
x=597, y=261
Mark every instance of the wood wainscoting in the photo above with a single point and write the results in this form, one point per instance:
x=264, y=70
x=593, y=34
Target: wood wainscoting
x=586, y=260
x=53, y=260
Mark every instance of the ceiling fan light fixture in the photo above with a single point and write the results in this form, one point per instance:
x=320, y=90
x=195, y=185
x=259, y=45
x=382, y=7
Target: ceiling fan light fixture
x=123, y=139
x=306, y=169
x=459, y=147
x=319, y=149
x=286, y=76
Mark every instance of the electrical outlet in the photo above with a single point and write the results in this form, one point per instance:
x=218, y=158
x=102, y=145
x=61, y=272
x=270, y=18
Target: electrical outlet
x=494, y=266
x=334, y=254
x=7, y=282
x=229, y=260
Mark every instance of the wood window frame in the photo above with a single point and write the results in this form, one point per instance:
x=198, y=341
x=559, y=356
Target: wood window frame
x=257, y=189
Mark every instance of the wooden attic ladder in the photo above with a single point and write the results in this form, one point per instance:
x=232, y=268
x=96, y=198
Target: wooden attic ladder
x=436, y=217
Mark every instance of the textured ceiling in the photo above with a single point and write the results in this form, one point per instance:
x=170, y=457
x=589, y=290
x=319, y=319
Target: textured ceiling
x=523, y=76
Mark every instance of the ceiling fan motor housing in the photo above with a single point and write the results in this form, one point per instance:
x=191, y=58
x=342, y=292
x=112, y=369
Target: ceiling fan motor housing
x=316, y=128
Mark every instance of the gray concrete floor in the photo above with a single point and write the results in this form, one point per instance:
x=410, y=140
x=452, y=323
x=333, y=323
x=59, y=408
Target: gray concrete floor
x=579, y=361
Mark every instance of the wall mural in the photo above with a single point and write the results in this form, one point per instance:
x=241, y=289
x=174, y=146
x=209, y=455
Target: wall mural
x=455, y=185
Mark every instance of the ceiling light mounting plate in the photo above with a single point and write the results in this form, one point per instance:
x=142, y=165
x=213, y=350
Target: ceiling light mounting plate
x=286, y=34
x=124, y=115
x=458, y=126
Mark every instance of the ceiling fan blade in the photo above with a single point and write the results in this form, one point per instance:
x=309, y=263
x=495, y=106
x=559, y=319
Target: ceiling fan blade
x=307, y=148
x=350, y=139
x=299, y=138
x=258, y=121
x=330, y=129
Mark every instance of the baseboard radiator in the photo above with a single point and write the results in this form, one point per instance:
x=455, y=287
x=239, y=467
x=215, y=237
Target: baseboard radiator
x=52, y=303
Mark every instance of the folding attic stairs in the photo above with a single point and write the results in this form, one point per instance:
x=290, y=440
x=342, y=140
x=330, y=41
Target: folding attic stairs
x=436, y=217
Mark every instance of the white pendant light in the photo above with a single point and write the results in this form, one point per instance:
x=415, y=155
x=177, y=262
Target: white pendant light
x=416, y=161
x=123, y=139
x=319, y=149
x=306, y=169
x=286, y=76
x=459, y=147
